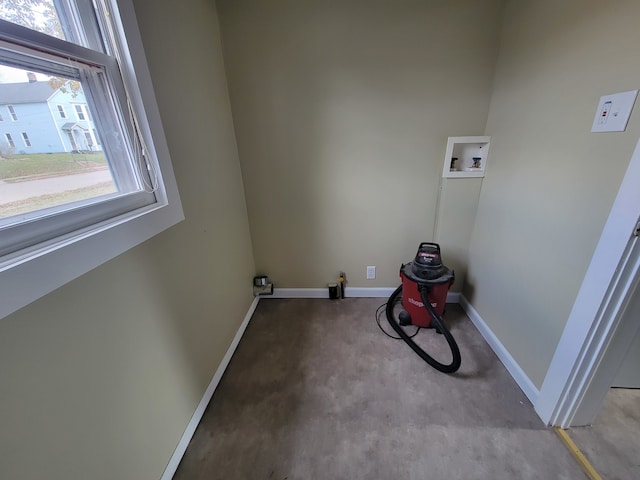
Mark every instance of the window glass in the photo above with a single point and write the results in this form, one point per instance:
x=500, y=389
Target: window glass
x=63, y=164
x=12, y=112
x=39, y=15
x=79, y=112
x=25, y=139
x=9, y=142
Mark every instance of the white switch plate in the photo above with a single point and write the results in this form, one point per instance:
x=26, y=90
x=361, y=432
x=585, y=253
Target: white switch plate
x=613, y=112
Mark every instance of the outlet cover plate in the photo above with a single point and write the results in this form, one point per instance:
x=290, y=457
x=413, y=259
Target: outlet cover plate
x=613, y=112
x=371, y=272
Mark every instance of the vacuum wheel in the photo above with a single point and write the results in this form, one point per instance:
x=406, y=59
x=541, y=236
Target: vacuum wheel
x=404, y=318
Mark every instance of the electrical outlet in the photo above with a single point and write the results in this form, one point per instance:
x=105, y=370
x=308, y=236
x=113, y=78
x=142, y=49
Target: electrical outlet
x=371, y=272
x=613, y=112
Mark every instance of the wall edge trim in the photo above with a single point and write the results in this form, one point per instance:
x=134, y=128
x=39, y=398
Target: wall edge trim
x=181, y=448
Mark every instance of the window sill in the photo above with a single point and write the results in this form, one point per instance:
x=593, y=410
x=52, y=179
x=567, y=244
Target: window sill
x=48, y=268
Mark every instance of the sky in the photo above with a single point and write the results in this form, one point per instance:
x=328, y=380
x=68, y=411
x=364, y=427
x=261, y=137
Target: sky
x=16, y=75
x=7, y=12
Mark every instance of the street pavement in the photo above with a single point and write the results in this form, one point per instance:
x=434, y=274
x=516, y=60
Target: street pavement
x=13, y=192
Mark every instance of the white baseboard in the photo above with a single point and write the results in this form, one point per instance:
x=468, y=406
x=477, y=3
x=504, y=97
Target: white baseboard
x=382, y=292
x=521, y=378
x=299, y=293
x=453, y=297
x=369, y=292
x=350, y=292
x=178, y=453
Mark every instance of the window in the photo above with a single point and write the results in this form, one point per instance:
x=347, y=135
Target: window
x=80, y=112
x=25, y=139
x=97, y=137
x=86, y=56
x=10, y=140
x=88, y=139
x=12, y=112
x=1, y=119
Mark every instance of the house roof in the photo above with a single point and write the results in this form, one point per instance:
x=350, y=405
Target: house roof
x=25, y=92
x=72, y=125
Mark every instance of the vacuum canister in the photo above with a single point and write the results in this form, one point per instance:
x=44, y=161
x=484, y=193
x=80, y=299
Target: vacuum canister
x=425, y=270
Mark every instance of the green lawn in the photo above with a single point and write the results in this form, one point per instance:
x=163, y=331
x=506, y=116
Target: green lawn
x=45, y=164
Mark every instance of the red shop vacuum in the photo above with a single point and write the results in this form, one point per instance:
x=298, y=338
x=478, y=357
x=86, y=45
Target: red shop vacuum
x=425, y=284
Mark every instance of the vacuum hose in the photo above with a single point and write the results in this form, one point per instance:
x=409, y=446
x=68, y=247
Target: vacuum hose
x=439, y=323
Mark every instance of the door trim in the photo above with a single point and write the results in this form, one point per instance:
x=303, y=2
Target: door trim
x=574, y=382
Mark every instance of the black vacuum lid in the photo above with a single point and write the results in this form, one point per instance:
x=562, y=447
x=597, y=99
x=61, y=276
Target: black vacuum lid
x=427, y=266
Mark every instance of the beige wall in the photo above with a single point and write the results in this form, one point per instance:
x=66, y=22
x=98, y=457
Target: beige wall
x=342, y=112
x=628, y=375
x=550, y=182
x=457, y=206
x=100, y=378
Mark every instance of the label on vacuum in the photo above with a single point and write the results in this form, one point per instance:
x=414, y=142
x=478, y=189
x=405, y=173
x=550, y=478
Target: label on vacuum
x=415, y=302
x=420, y=304
x=428, y=258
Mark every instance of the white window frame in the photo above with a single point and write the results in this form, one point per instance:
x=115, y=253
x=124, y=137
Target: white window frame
x=80, y=110
x=61, y=113
x=12, y=113
x=47, y=266
x=88, y=138
x=10, y=141
x=25, y=139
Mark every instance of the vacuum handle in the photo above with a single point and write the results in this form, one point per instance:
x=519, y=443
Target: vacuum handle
x=431, y=244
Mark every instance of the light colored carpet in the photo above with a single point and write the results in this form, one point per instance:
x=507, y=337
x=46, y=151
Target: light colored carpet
x=612, y=444
x=316, y=391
